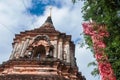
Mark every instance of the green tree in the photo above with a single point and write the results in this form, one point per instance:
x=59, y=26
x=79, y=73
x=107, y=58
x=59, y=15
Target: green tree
x=108, y=12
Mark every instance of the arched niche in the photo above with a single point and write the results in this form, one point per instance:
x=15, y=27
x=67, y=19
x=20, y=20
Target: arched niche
x=39, y=52
x=41, y=47
x=51, y=51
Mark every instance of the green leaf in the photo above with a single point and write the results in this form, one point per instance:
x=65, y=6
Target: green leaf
x=92, y=64
x=106, y=11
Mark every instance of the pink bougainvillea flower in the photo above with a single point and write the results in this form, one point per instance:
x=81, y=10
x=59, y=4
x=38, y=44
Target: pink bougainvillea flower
x=87, y=29
x=97, y=34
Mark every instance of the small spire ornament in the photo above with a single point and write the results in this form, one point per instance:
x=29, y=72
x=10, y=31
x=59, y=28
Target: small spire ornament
x=50, y=11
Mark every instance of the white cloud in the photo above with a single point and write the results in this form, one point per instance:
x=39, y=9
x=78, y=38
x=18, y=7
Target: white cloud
x=13, y=14
x=13, y=19
x=83, y=57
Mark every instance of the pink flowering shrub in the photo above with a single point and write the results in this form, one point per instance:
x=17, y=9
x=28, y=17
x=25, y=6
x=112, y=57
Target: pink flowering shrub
x=97, y=33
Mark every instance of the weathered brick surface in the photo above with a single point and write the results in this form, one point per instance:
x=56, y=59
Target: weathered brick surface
x=31, y=77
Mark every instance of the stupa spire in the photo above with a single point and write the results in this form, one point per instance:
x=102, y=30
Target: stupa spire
x=49, y=20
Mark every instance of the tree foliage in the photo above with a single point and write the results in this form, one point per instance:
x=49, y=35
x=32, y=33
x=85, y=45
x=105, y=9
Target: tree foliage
x=107, y=12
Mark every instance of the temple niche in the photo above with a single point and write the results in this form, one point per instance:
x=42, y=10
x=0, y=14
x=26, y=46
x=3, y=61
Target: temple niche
x=41, y=54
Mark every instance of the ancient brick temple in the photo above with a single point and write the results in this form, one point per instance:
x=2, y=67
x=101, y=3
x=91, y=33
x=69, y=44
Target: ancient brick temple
x=41, y=54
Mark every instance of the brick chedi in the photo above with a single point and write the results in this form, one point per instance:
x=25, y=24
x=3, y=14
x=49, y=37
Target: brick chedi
x=41, y=54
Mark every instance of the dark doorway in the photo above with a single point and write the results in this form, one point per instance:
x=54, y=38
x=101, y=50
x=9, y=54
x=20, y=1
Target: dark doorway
x=39, y=52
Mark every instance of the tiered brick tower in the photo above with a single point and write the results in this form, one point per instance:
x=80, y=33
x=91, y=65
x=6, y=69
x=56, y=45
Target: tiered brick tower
x=41, y=54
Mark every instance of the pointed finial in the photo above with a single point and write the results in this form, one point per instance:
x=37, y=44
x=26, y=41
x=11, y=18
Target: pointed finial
x=50, y=11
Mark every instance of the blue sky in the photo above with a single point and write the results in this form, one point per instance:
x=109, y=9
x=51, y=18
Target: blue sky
x=38, y=6
x=21, y=15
